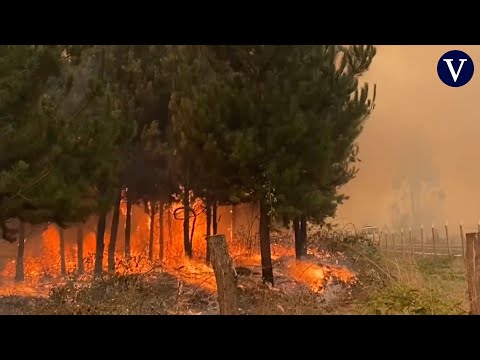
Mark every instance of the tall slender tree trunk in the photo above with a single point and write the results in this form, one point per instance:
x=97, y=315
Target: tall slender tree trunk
x=102, y=222
x=152, y=230
x=80, y=265
x=113, y=233
x=209, y=228
x=298, y=239
x=161, y=237
x=265, y=251
x=285, y=222
x=63, y=265
x=128, y=225
x=192, y=232
x=214, y=218
x=169, y=224
x=19, y=269
x=303, y=235
x=186, y=222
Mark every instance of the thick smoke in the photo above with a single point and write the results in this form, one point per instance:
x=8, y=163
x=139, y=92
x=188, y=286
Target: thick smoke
x=419, y=147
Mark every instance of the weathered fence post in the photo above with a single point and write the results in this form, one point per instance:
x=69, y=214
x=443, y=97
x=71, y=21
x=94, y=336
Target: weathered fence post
x=473, y=271
x=411, y=240
x=386, y=241
x=393, y=242
x=448, y=241
x=423, y=242
x=434, y=242
x=403, y=244
x=462, y=239
x=380, y=240
x=224, y=274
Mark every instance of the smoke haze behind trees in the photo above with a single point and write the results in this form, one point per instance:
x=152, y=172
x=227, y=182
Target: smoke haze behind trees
x=422, y=134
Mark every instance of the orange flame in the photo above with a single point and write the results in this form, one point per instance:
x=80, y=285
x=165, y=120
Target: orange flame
x=42, y=259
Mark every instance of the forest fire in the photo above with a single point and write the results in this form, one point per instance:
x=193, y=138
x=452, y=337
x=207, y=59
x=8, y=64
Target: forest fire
x=43, y=258
x=107, y=137
x=316, y=276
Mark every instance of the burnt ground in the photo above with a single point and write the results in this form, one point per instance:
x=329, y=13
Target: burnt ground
x=350, y=277
x=317, y=285
x=421, y=286
x=184, y=290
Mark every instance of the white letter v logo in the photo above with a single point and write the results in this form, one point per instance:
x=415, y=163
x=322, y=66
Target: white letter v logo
x=452, y=71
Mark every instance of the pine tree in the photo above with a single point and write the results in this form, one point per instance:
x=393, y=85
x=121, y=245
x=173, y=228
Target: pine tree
x=199, y=105
x=327, y=147
x=277, y=122
x=146, y=95
x=46, y=156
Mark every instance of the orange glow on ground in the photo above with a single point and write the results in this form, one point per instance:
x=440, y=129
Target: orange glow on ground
x=42, y=254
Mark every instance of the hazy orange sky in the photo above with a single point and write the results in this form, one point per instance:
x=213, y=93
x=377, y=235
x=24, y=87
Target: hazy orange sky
x=419, y=126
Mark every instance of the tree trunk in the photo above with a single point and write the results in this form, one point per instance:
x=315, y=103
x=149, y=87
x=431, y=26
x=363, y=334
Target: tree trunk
x=186, y=222
x=285, y=222
x=298, y=238
x=224, y=275
x=128, y=224
x=161, y=237
x=19, y=270
x=152, y=228
x=265, y=251
x=209, y=229
x=63, y=265
x=303, y=235
x=113, y=233
x=214, y=218
x=80, y=265
x=102, y=220
x=192, y=232
x=169, y=224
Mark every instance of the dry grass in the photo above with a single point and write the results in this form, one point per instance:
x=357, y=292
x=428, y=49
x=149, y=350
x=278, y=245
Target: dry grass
x=167, y=293
x=161, y=294
x=405, y=285
x=383, y=286
x=416, y=287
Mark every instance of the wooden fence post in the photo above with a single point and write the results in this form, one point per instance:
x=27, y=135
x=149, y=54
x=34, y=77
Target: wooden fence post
x=380, y=240
x=423, y=242
x=411, y=240
x=393, y=242
x=473, y=271
x=403, y=243
x=386, y=241
x=448, y=241
x=224, y=274
x=434, y=242
x=462, y=239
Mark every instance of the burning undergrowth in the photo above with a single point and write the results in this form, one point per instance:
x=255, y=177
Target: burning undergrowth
x=144, y=287
x=143, y=284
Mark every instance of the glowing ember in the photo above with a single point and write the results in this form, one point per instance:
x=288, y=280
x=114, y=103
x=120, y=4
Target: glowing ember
x=316, y=276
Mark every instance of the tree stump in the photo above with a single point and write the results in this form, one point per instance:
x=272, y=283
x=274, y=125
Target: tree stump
x=224, y=274
x=472, y=261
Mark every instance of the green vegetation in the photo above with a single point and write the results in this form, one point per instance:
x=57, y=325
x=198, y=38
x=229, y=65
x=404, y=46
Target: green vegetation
x=84, y=126
x=412, y=286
